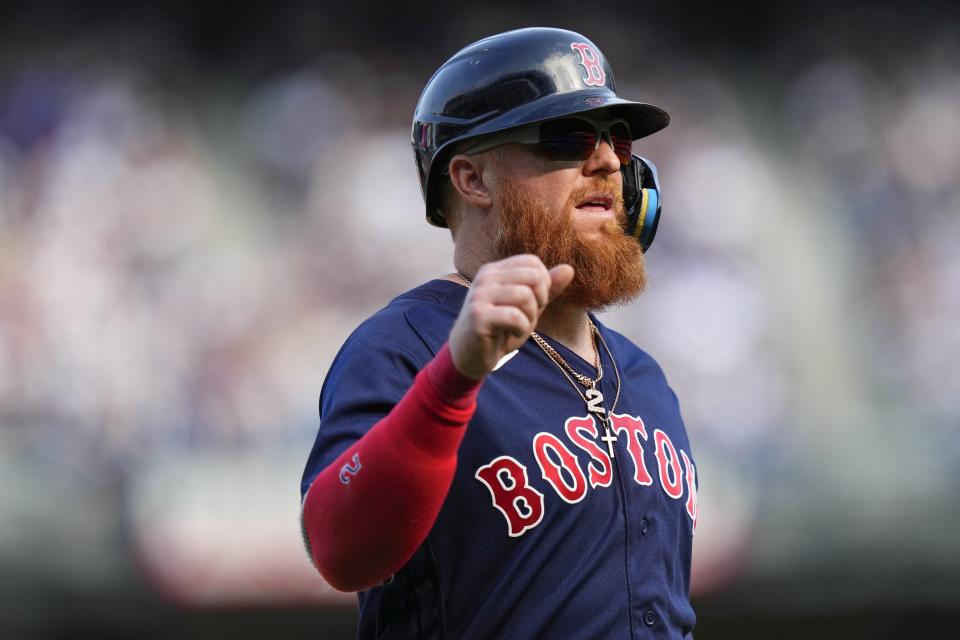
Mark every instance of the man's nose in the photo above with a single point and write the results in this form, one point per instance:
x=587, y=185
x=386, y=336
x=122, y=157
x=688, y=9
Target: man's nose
x=603, y=160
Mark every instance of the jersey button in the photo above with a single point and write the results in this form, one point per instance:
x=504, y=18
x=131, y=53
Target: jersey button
x=650, y=618
x=644, y=526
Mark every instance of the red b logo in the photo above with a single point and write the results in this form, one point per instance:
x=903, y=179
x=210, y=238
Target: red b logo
x=590, y=59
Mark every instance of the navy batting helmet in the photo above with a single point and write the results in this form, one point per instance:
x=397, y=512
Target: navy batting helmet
x=523, y=77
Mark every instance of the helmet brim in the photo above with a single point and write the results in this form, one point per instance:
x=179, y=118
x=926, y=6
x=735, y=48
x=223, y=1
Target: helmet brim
x=644, y=119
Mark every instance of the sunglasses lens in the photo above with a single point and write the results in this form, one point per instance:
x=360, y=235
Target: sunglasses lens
x=574, y=139
x=567, y=139
x=622, y=142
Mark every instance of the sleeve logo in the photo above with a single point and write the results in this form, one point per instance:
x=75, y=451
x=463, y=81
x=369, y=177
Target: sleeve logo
x=350, y=469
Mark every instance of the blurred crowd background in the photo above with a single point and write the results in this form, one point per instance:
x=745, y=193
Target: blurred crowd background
x=199, y=202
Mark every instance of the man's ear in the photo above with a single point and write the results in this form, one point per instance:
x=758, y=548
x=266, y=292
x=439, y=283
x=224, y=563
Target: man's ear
x=467, y=178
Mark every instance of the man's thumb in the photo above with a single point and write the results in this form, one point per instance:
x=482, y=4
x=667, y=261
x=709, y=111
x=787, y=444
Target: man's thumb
x=560, y=276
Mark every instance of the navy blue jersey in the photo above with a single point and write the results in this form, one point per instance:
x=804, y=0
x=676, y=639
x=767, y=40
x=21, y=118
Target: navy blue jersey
x=542, y=534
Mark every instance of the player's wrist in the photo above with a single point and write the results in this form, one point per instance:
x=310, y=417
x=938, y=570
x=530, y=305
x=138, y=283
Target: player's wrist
x=447, y=378
x=459, y=354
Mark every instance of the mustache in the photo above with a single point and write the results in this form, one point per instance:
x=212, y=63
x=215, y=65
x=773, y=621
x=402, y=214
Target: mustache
x=605, y=186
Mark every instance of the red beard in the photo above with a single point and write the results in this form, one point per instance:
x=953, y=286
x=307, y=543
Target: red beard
x=609, y=267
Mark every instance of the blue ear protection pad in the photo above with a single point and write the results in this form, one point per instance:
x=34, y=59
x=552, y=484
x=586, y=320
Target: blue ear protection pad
x=641, y=197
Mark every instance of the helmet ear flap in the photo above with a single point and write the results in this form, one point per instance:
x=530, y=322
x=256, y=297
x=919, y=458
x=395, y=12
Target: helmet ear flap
x=642, y=199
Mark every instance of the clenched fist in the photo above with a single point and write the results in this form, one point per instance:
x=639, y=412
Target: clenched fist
x=502, y=309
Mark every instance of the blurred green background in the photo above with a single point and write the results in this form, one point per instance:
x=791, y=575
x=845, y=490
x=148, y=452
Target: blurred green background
x=199, y=201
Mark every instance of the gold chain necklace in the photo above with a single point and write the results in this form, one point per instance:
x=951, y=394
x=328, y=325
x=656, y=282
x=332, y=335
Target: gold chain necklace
x=592, y=398
x=556, y=357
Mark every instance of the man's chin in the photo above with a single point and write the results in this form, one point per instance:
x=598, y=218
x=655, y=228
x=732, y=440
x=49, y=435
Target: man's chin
x=597, y=300
x=612, y=279
x=595, y=234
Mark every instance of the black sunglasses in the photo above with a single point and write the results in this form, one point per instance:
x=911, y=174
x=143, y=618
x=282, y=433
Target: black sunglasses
x=565, y=139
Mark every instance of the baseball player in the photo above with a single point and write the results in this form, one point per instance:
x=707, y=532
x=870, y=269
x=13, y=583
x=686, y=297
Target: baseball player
x=492, y=461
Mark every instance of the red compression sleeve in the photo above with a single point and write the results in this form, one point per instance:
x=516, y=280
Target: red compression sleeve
x=368, y=511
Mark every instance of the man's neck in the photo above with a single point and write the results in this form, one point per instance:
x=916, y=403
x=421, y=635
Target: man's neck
x=473, y=247
x=569, y=325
